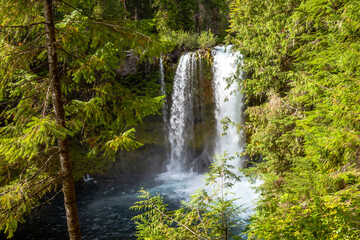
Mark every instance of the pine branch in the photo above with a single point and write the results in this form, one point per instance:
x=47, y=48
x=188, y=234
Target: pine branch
x=21, y=26
x=20, y=99
x=79, y=10
x=32, y=177
x=172, y=219
x=122, y=27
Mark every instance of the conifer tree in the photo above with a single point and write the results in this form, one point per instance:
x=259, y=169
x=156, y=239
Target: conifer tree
x=58, y=83
x=68, y=186
x=302, y=87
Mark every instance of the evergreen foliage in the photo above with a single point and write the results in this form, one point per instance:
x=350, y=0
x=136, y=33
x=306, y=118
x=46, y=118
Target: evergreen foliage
x=208, y=215
x=181, y=23
x=100, y=113
x=302, y=84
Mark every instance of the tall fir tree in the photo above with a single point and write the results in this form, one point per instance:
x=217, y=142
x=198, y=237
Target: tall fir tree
x=58, y=83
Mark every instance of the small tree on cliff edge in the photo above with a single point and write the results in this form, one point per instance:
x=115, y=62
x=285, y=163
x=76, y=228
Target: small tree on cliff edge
x=57, y=71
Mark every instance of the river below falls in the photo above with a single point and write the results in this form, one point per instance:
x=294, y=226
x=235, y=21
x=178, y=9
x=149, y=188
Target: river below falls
x=103, y=206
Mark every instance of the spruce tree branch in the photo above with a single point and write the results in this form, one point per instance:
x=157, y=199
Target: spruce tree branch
x=79, y=10
x=106, y=94
x=201, y=220
x=43, y=166
x=20, y=53
x=21, y=26
x=307, y=78
x=296, y=109
x=172, y=219
x=72, y=55
x=32, y=185
x=36, y=193
x=31, y=43
x=48, y=201
x=32, y=177
x=20, y=99
x=122, y=27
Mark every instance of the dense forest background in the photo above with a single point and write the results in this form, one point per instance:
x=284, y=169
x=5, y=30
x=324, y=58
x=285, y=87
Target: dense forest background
x=67, y=107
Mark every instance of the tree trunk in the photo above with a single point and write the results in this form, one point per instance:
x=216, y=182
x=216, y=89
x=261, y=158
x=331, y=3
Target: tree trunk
x=63, y=144
x=124, y=9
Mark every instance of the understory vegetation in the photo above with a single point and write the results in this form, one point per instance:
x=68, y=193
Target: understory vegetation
x=209, y=214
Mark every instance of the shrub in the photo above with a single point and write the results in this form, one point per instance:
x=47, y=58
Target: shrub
x=208, y=215
x=207, y=39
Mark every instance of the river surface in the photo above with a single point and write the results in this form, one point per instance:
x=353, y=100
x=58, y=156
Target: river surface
x=103, y=206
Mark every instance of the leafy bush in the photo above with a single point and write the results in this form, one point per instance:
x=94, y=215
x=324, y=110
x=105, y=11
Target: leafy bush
x=207, y=39
x=190, y=40
x=181, y=38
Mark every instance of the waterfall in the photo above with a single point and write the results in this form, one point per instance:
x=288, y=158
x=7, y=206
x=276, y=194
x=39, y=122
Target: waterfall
x=228, y=101
x=228, y=107
x=181, y=116
x=228, y=111
x=163, y=92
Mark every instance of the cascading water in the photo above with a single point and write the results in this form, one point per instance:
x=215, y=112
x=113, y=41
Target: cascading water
x=163, y=92
x=181, y=117
x=164, y=109
x=229, y=109
x=228, y=101
x=228, y=106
